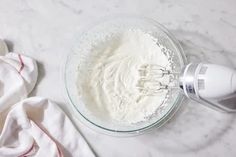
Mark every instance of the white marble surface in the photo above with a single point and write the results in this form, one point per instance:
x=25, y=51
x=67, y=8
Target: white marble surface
x=44, y=29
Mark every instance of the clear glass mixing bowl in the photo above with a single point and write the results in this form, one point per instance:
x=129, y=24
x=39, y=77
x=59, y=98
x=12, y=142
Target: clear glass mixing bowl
x=80, y=54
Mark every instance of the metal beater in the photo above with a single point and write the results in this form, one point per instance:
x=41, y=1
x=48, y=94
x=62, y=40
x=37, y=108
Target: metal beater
x=150, y=75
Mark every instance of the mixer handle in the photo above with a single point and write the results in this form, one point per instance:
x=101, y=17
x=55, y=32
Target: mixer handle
x=210, y=84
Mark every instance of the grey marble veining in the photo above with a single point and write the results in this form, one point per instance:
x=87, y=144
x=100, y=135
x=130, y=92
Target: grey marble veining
x=206, y=29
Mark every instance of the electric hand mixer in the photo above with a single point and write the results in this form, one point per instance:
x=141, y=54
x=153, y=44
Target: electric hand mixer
x=209, y=84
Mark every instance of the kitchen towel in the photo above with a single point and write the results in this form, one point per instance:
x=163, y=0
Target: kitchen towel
x=18, y=76
x=35, y=126
x=38, y=127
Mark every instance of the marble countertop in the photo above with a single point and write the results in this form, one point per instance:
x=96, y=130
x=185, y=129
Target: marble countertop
x=206, y=28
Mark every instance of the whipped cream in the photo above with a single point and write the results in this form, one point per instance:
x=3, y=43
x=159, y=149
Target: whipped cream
x=109, y=87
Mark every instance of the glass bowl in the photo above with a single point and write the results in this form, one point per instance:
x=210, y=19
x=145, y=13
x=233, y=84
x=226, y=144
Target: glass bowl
x=80, y=54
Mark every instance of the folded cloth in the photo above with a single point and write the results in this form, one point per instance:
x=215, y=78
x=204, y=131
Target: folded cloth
x=37, y=127
x=18, y=76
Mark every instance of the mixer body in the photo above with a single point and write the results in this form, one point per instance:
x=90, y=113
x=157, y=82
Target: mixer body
x=210, y=84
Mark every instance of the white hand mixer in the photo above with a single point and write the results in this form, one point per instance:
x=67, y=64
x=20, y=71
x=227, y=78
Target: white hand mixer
x=210, y=84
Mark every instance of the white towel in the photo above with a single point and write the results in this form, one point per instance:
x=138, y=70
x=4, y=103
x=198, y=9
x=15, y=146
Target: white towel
x=18, y=75
x=34, y=127
x=37, y=127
